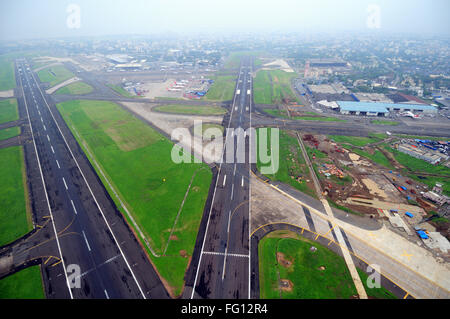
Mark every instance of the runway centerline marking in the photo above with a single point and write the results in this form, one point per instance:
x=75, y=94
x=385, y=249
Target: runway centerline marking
x=224, y=180
x=65, y=184
x=73, y=206
x=53, y=151
x=57, y=163
x=85, y=239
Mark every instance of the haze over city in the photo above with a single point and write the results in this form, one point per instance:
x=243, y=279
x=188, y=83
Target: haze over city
x=37, y=19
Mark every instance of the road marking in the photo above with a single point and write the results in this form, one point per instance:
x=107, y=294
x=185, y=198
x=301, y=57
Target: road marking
x=48, y=138
x=223, y=254
x=42, y=120
x=38, y=110
x=232, y=189
x=73, y=206
x=87, y=243
x=65, y=183
x=405, y=254
x=57, y=163
x=210, y=210
x=46, y=196
x=52, y=149
x=45, y=129
x=242, y=181
x=234, y=171
x=106, y=294
x=93, y=196
x=224, y=180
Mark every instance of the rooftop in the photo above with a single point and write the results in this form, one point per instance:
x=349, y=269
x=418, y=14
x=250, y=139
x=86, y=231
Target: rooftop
x=380, y=106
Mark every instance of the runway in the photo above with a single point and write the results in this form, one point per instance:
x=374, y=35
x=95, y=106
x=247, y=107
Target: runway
x=85, y=229
x=224, y=263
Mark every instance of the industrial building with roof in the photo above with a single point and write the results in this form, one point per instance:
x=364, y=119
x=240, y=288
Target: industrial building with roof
x=381, y=109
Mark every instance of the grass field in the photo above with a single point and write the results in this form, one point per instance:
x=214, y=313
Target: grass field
x=15, y=220
x=8, y=110
x=418, y=165
x=76, y=88
x=9, y=132
x=222, y=89
x=191, y=109
x=137, y=161
x=121, y=90
x=54, y=75
x=7, y=74
x=382, y=122
x=234, y=60
x=315, y=275
x=271, y=86
x=25, y=284
x=354, y=140
x=283, y=114
x=291, y=163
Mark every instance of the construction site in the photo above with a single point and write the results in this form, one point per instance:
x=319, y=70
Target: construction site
x=359, y=185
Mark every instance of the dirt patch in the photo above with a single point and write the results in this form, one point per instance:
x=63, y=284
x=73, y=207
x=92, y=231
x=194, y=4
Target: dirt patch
x=183, y=253
x=173, y=237
x=322, y=268
x=283, y=261
x=286, y=285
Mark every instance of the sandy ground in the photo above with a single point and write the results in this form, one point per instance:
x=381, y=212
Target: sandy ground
x=60, y=85
x=281, y=64
x=159, y=89
x=406, y=263
x=169, y=122
x=8, y=93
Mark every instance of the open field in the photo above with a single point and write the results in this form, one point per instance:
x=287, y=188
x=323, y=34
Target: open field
x=76, y=88
x=233, y=61
x=121, y=90
x=272, y=87
x=354, y=140
x=9, y=132
x=418, y=165
x=7, y=76
x=14, y=217
x=283, y=114
x=222, y=89
x=25, y=284
x=292, y=163
x=8, y=110
x=136, y=159
x=191, y=109
x=54, y=74
x=284, y=255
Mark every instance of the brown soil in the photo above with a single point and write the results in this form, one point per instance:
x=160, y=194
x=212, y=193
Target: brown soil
x=281, y=258
x=183, y=253
x=286, y=285
x=173, y=237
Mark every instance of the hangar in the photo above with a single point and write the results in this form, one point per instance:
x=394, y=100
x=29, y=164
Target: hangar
x=381, y=109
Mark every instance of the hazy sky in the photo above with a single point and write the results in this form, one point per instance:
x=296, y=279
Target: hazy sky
x=48, y=18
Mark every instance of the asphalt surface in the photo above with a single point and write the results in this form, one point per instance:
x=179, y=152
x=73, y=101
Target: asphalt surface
x=80, y=222
x=224, y=262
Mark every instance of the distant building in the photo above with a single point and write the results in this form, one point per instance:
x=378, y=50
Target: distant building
x=429, y=157
x=382, y=109
x=436, y=198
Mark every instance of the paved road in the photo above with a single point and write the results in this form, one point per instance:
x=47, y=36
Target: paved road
x=223, y=268
x=85, y=227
